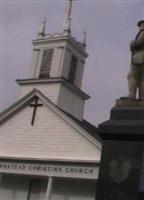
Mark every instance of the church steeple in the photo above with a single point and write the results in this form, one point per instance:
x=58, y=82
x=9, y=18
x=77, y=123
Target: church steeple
x=58, y=66
x=66, y=26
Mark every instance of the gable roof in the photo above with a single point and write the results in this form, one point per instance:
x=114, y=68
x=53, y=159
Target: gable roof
x=89, y=129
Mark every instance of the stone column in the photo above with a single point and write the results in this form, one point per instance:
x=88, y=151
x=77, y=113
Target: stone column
x=49, y=188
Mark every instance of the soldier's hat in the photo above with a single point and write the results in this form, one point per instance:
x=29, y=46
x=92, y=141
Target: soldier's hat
x=140, y=22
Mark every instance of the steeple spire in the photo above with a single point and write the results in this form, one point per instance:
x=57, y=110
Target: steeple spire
x=41, y=32
x=66, y=27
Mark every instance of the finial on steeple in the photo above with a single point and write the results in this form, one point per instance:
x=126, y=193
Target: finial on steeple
x=83, y=39
x=41, y=32
x=66, y=27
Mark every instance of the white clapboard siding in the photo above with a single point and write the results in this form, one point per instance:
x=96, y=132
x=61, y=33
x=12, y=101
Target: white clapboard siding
x=51, y=91
x=51, y=137
x=60, y=95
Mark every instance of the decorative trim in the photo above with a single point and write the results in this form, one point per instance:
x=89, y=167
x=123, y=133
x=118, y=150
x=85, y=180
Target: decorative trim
x=54, y=161
x=50, y=169
x=57, y=37
x=54, y=80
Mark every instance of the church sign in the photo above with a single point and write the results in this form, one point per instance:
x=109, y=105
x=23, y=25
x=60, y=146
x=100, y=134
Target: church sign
x=81, y=171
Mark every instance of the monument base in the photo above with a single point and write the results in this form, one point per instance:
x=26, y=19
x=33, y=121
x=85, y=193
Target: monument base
x=121, y=171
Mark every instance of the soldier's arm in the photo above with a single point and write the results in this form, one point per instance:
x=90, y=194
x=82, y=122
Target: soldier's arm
x=132, y=46
x=139, y=42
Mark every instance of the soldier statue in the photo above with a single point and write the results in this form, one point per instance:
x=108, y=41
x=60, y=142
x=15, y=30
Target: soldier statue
x=136, y=73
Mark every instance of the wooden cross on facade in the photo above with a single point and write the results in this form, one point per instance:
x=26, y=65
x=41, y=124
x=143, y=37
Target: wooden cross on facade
x=35, y=105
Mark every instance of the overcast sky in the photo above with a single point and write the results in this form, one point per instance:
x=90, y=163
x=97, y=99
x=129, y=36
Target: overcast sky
x=110, y=26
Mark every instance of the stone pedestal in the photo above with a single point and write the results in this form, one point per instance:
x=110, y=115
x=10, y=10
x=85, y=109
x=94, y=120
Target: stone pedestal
x=121, y=170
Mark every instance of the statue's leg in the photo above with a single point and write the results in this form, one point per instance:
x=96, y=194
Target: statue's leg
x=141, y=90
x=132, y=85
x=141, y=82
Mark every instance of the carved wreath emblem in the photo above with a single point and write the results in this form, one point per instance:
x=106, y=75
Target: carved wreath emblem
x=119, y=169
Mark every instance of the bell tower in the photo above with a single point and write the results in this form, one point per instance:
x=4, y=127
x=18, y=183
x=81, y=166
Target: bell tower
x=57, y=67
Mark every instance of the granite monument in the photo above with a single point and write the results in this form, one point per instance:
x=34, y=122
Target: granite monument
x=121, y=174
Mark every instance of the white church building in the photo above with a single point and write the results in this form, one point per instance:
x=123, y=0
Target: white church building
x=47, y=150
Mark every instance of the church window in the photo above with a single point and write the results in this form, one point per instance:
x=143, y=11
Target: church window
x=46, y=63
x=34, y=190
x=73, y=68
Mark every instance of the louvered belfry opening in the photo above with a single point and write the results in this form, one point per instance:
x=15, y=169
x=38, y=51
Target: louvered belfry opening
x=46, y=63
x=73, y=68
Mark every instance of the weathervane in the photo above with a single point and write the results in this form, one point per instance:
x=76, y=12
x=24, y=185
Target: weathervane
x=69, y=9
x=66, y=27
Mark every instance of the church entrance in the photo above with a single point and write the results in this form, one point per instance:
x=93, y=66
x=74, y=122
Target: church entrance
x=21, y=187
